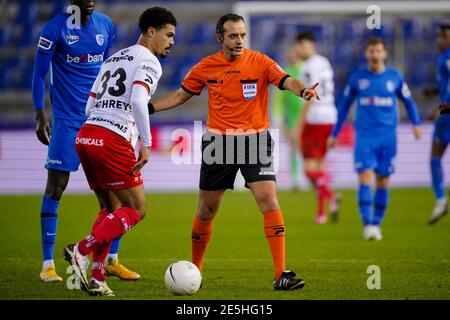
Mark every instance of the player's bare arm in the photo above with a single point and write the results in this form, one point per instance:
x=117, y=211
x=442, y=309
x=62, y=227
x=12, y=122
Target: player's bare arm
x=417, y=131
x=300, y=89
x=42, y=127
x=169, y=101
x=144, y=155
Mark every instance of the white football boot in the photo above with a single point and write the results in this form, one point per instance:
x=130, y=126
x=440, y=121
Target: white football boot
x=368, y=232
x=440, y=210
x=99, y=288
x=376, y=232
x=79, y=263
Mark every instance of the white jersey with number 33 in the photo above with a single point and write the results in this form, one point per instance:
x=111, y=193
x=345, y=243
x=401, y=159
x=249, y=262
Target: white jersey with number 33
x=318, y=69
x=119, y=96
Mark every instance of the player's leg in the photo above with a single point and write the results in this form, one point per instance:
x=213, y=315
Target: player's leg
x=108, y=204
x=114, y=267
x=385, y=154
x=380, y=202
x=365, y=201
x=312, y=171
x=61, y=160
x=265, y=195
x=365, y=162
x=113, y=225
x=116, y=158
x=314, y=151
x=208, y=205
x=128, y=198
x=56, y=184
x=441, y=207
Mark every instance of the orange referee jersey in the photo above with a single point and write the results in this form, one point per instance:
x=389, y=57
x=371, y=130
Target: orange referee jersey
x=238, y=90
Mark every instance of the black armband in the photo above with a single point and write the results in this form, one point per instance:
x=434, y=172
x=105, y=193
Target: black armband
x=151, y=108
x=302, y=92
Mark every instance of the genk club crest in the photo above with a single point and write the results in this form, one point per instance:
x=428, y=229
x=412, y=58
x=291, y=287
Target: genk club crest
x=100, y=39
x=249, y=91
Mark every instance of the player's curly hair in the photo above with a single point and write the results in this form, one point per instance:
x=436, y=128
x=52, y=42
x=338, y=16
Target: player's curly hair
x=156, y=17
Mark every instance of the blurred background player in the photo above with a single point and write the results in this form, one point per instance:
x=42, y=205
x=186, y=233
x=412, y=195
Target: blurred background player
x=286, y=112
x=317, y=120
x=237, y=79
x=74, y=57
x=441, y=134
x=376, y=88
x=117, y=116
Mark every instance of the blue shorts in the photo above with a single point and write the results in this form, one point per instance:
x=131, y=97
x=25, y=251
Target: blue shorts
x=375, y=153
x=61, y=151
x=442, y=129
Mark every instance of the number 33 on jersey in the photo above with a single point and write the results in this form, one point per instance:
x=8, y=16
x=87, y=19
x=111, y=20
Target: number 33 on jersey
x=112, y=91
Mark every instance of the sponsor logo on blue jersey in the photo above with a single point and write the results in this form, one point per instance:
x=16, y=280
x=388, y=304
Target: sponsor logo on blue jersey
x=45, y=43
x=85, y=58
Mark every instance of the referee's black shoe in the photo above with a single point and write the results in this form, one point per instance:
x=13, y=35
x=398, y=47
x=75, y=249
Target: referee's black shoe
x=287, y=281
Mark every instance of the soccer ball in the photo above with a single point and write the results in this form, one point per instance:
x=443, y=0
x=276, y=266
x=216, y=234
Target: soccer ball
x=183, y=278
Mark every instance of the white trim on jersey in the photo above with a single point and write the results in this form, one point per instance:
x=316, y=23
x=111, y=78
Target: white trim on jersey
x=51, y=73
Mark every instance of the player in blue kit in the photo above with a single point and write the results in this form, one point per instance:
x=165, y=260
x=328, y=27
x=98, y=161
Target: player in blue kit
x=441, y=134
x=375, y=88
x=73, y=52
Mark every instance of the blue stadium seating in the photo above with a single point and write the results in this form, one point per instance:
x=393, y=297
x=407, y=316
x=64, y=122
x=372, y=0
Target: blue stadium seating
x=340, y=41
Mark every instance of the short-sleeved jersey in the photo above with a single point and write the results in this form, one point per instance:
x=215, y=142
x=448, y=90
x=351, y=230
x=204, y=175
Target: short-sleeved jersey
x=318, y=69
x=238, y=90
x=77, y=55
x=112, y=89
x=443, y=76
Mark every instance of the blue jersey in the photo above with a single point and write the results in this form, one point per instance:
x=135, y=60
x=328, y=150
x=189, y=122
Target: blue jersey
x=376, y=102
x=76, y=56
x=443, y=76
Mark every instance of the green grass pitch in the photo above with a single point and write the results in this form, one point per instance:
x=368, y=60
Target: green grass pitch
x=413, y=257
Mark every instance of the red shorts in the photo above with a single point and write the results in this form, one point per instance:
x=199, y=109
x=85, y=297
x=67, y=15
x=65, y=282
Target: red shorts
x=107, y=159
x=314, y=140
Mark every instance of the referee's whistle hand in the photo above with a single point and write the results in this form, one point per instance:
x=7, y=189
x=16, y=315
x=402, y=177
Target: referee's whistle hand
x=144, y=155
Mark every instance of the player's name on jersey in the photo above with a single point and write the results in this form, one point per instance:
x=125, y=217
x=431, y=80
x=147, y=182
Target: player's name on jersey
x=117, y=59
x=119, y=126
x=113, y=104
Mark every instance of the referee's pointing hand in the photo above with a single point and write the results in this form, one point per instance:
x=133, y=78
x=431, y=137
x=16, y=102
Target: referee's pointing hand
x=310, y=92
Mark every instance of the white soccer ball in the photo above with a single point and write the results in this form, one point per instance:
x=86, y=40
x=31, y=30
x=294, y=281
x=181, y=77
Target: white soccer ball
x=183, y=278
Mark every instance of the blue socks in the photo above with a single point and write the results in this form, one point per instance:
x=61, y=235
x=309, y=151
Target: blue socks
x=115, y=246
x=365, y=203
x=49, y=220
x=380, y=203
x=437, y=177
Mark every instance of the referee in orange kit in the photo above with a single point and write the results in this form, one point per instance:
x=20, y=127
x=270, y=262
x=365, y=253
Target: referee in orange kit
x=237, y=138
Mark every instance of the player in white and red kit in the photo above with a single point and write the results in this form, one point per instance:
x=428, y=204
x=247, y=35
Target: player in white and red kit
x=117, y=115
x=318, y=118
